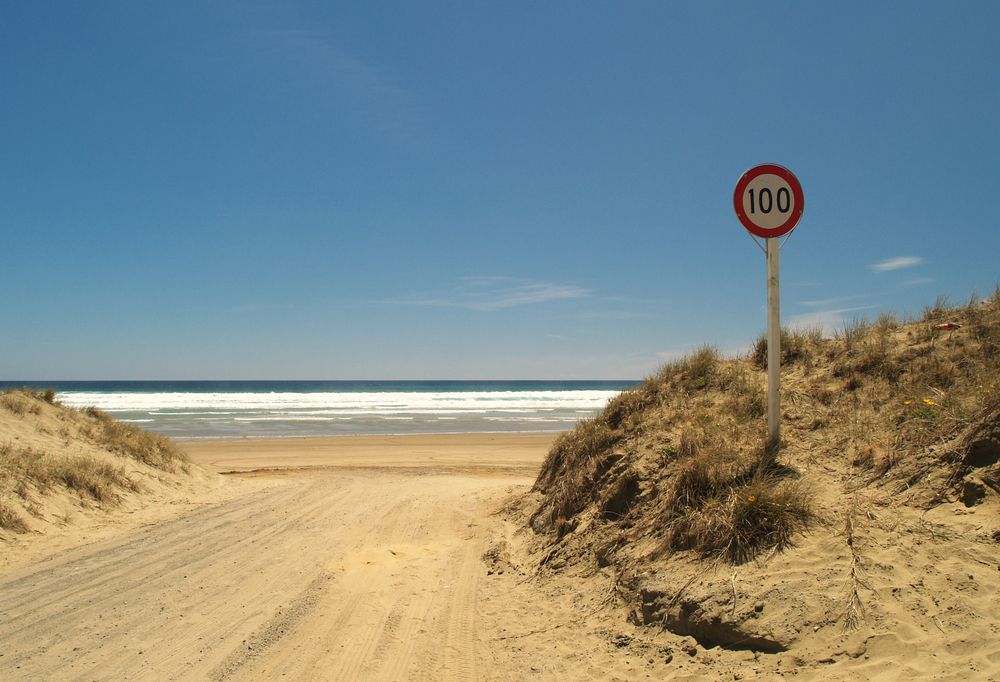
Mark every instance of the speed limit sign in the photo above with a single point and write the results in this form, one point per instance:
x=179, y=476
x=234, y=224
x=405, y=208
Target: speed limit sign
x=768, y=200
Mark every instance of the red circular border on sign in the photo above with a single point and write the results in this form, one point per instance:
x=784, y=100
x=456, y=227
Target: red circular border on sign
x=787, y=176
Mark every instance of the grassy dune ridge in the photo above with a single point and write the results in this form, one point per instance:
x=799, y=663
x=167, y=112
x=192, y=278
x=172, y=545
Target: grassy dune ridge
x=886, y=420
x=47, y=449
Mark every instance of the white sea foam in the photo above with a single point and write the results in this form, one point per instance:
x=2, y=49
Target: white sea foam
x=279, y=414
x=177, y=414
x=275, y=418
x=347, y=403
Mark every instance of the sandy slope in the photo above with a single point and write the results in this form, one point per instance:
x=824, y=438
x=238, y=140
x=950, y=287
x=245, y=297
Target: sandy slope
x=152, y=482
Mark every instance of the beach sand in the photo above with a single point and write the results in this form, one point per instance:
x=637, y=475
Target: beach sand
x=358, y=558
x=496, y=454
x=337, y=558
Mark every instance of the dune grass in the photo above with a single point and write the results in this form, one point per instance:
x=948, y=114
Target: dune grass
x=26, y=472
x=796, y=345
x=101, y=429
x=19, y=403
x=22, y=468
x=11, y=520
x=909, y=405
x=733, y=508
x=130, y=441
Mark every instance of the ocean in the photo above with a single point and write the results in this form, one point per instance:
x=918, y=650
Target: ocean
x=188, y=410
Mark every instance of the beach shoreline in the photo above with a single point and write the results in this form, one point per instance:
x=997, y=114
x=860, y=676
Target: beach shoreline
x=226, y=410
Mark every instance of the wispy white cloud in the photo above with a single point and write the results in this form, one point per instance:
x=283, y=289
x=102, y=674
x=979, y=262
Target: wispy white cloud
x=498, y=293
x=897, y=263
x=827, y=320
x=827, y=302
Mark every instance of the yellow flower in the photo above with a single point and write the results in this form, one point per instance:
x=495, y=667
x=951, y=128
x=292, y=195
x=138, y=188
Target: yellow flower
x=752, y=498
x=907, y=402
x=928, y=401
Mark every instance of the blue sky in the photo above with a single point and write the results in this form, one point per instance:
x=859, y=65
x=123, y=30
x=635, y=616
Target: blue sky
x=475, y=190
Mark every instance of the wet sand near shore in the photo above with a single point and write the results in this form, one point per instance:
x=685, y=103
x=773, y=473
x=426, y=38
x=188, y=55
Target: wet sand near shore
x=485, y=453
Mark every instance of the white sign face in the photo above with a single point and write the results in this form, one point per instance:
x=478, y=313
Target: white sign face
x=768, y=201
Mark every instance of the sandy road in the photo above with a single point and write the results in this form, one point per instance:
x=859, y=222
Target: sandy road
x=329, y=573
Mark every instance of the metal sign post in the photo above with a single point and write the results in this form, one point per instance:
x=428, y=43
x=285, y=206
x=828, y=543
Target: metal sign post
x=768, y=201
x=773, y=340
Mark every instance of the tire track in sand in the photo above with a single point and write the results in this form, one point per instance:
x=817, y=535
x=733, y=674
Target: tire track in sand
x=277, y=627
x=460, y=654
x=330, y=576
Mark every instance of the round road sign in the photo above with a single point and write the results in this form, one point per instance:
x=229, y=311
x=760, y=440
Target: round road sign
x=768, y=200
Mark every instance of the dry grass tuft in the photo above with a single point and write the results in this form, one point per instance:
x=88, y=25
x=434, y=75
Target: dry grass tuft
x=705, y=474
x=130, y=441
x=25, y=401
x=746, y=393
x=19, y=403
x=700, y=368
x=578, y=460
x=95, y=479
x=23, y=470
x=581, y=459
x=23, y=467
x=11, y=520
x=937, y=312
x=854, y=609
x=798, y=345
x=734, y=507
